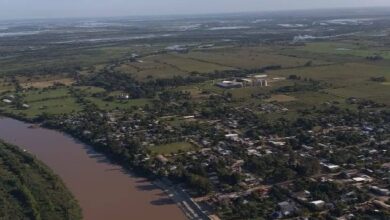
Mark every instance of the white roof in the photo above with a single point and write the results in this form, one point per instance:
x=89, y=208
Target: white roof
x=261, y=76
x=362, y=178
x=332, y=166
x=318, y=202
x=231, y=135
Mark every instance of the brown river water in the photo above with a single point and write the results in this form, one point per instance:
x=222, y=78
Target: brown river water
x=104, y=190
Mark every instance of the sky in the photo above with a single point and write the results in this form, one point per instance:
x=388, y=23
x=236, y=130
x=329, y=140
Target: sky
x=18, y=9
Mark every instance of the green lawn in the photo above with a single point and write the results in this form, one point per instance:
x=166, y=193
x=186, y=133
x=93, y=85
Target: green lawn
x=172, y=148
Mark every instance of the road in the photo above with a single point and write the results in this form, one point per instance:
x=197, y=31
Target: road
x=190, y=208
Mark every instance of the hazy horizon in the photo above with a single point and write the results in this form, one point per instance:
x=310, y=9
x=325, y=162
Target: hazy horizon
x=30, y=9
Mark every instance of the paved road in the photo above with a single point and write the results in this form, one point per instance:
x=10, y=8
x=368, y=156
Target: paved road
x=191, y=209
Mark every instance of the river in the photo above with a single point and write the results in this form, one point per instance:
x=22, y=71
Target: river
x=104, y=190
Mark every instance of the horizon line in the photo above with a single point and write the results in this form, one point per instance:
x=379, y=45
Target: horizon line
x=195, y=14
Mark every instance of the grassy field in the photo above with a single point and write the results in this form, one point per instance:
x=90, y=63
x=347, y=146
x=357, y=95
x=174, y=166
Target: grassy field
x=50, y=101
x=348, y=80
x=172, y=148
x=309, y=99
x=168, y=65
x=246, y=58
x=339, y=74
x=29, y=190
x=54, y=59
x=90, y=91
x=60, y=101
x=51, y=107
x=5, y=85
x=189, y=65
x=45, y=83
x=41, y=94
x=373, y=91
x=281, y=98
x=151, y=68
x=346, y=48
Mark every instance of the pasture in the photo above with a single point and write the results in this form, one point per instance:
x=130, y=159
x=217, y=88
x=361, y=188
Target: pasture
x=172, y=148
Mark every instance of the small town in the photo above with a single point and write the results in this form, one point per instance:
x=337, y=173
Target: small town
x=330, y=162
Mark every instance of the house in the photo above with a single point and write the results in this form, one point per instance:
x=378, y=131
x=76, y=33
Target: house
x=302, y=196
x=232, y=136
x=362, y=179
x=318, y=204
x=230, y=84
x=247, y=82
x=277, y=143
x=380, y=191
x=7, y=101
x=331, y=167
x=260, y=76
x=260, y=80
x=254, y=152
x=124, y=96
x=287, y=207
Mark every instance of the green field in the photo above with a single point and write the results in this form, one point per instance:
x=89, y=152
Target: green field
x=339, y=74
x=247, y=58
x=348, y=80
x=346, y=49
x=172, y=148
x=65, y=60
x=150, y=67
x=50, y=101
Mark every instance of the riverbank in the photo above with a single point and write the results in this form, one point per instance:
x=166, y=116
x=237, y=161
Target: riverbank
x=190, y=209
x=104, y=190
x=30, y=190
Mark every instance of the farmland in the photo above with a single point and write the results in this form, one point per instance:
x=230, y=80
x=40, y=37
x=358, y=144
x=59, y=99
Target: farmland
x=347, y=49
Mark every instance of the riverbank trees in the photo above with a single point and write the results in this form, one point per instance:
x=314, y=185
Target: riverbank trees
x=29, y=190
